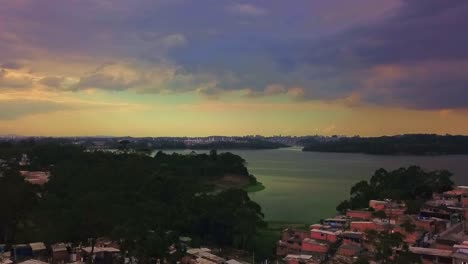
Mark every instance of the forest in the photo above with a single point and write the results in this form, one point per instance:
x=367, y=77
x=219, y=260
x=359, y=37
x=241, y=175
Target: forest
x=415, y=144
x=143, y=202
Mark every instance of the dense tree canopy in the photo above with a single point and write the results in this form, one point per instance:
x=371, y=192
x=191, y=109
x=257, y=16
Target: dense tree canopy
x=143, y=202
x=18, y=199
x=418, y=144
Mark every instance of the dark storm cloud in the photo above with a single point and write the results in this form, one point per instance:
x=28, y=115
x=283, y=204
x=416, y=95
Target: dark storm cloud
x=416, y=58
x=422, y=30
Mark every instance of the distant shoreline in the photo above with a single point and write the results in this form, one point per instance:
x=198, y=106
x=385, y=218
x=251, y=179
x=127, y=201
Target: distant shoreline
x=417, y=145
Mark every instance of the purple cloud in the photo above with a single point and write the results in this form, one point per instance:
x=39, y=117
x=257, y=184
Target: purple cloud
x=404, y=53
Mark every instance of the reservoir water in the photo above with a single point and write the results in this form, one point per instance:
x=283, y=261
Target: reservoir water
x=303, y=187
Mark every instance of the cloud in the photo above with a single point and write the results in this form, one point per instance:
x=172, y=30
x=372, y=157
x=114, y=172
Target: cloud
x=14, y=109
x=247, y=9
x=415, y=58
x=112, y=77
x=11, y=65
x=53, y=81
x=173, y=40
x=12, y=80
x=425, y=85
x=296, y=93
x=312, y=50
x=146, y=78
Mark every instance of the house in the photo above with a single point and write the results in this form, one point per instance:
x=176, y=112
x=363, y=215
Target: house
x=21, y=252
x=432, y=255
x=349, y=250
x=460, y=255
x=377, y=205
x=233, y=261
x=60, y=253
x=5, y=261
x=350, y=237
x=291, y=234
x=465, y=214
x=325, y=235
x=300, y=259
x=203, y=256
x=315, y=248
x=395, y=213
x=4, y=256
x=393, y=210
x=101, y=254
x=284, y=248
x=431, y=225
x=291, y=241
x=435, y=209
x=36, y=177
x=450, y=237
x=39, y=251
x=316, y=226
x=362, y=226
x=32, y=261
x=359, y=214
x=336, y=222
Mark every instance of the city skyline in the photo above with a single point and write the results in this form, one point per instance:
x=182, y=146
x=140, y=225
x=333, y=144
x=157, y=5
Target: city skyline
x=201, y=68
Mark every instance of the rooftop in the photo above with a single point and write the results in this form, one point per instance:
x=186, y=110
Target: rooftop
x=302, y=257
x=100, y=249
x=431, y=251
x=326, y=232
x=313, y=241
x=32, y=261
x=37, y=246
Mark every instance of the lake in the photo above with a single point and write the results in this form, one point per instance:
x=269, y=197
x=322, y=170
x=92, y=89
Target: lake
x=304, y=187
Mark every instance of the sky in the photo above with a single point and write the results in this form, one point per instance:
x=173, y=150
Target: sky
x=233, y=67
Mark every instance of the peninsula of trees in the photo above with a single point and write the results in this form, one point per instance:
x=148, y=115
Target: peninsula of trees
x=143, y=202
x=416, y=144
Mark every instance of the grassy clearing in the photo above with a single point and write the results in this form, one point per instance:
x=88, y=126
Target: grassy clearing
x=254, y=187
x=266, y=238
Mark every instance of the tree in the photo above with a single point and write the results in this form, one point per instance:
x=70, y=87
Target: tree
x=385, y=245
x=213, y=154
x=361, y=260
x=19, y=198
x=408, y=226
x=407, y=257
x=379, y=214
x=404, y=184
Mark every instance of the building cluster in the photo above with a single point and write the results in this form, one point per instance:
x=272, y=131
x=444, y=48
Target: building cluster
x=32, y=177
x=437, y=234
x=36, y=177
x=206, y=256
x=104, y=252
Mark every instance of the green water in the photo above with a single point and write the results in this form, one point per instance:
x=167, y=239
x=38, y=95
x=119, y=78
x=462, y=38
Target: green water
x=306, y=186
